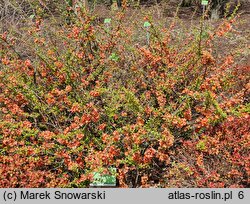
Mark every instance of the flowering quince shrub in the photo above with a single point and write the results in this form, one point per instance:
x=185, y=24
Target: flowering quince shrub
x=88, y=97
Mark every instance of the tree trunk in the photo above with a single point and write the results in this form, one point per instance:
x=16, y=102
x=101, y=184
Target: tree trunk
x=215, y=13
x=217, y=8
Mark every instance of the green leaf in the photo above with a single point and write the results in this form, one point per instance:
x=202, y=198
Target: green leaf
x=201, y=145
x=107, y=20
x=147, y=24
x=204, y=2
x=32, y=16
x=105, y=179
x=114, y=57
x=204, y=35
